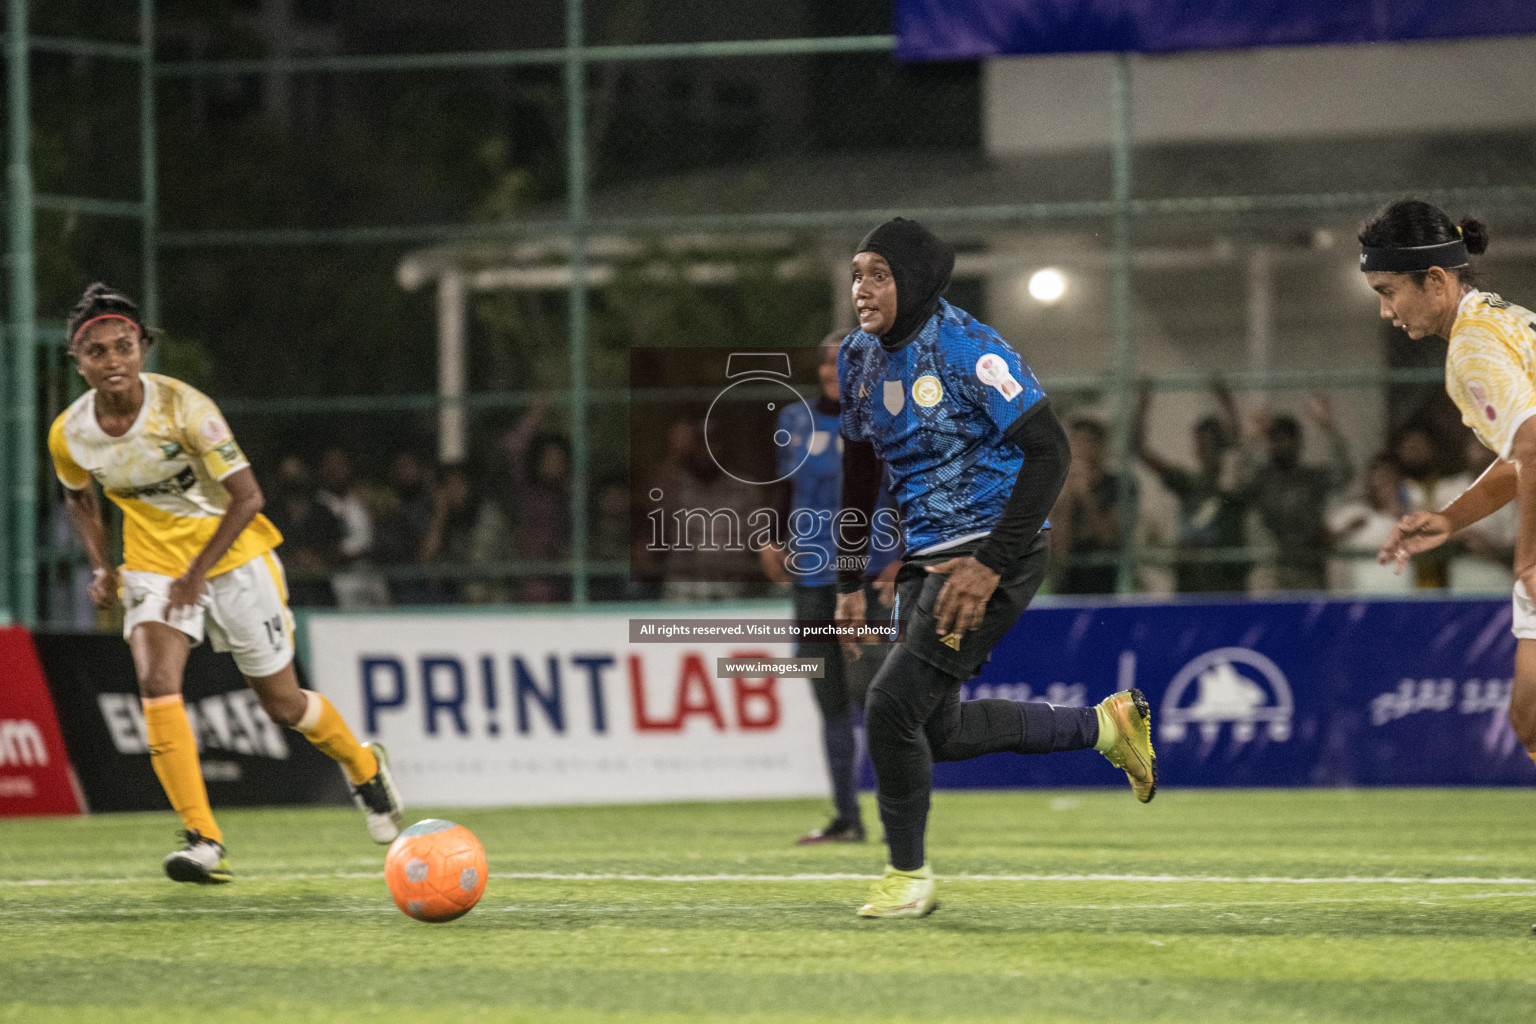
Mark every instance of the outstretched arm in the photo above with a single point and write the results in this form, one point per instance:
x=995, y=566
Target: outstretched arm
x=1500, y=483
x=1340, y=470
x=1155, y=462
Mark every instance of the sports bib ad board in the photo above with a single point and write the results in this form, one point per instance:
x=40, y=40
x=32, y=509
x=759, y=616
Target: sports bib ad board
x=34, y=768
x=1284, y=693
x=246, y=759
x=507, y=709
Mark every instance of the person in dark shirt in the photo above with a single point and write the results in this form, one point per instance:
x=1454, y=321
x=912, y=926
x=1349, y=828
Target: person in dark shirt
x=1213, y=510
x=1086, y=522
x=312, y=533
x=403, y=528
x=810, y=467
x=976, y=458
x=1292, y=499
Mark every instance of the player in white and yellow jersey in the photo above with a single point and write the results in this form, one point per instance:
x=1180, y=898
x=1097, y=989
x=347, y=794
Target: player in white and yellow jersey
x=197, y=554
x=1418, y=261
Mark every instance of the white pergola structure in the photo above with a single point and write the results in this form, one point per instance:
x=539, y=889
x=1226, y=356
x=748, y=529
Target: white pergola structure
x=462, y=269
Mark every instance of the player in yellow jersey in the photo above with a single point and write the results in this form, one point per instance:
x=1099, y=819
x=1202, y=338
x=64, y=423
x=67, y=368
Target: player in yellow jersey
x=1418, y=262
x=197, y=555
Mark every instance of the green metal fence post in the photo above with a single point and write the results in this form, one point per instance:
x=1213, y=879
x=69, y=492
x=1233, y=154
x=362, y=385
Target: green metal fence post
x=5, y=476
x=1125, y=359
x=576, y=212
x=148, y=168
x=23, y=331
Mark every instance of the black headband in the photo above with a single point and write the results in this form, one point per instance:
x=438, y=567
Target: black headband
x=1409, y=260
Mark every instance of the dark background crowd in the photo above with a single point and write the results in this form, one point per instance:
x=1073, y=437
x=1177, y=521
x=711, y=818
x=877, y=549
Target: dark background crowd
x=427, y=533
x=1252, y=515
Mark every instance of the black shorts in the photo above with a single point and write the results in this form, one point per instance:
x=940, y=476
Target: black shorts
x=919, y=592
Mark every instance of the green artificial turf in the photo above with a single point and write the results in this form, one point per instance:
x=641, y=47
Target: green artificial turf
x=718, y=926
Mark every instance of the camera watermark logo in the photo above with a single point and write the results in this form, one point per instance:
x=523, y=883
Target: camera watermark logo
x=736, y=465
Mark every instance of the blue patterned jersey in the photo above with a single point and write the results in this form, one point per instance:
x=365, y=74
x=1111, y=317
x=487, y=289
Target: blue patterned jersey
x=936, y=412
x=813, y=461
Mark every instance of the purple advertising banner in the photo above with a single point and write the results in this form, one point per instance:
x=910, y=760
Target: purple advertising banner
x=1321, y=693
x=967, y=29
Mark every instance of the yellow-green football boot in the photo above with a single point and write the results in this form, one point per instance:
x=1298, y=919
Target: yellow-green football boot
x=901, y=894
x=1130, y=717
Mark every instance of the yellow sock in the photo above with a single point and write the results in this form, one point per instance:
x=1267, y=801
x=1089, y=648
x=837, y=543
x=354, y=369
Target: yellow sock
x=323, y=726
x=173, y=752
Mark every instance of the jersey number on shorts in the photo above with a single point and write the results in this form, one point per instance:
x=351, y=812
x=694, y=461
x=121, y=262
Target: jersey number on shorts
x=275, y=632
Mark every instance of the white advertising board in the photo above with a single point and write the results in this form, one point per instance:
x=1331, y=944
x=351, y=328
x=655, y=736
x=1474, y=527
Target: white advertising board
x=505, y=709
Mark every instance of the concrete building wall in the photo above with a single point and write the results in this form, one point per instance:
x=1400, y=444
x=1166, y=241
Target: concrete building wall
x=1053, y=103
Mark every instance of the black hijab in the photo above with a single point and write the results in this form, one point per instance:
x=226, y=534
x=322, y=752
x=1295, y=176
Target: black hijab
x=921, y=263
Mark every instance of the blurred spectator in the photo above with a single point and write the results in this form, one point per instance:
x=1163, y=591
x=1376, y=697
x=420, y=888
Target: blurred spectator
x=1430, y=489
x=608, y=539
x=1086, y=522
x=339, y=492
x=449, y=531
x=402, y=527
x=464, y=531
x=1361, y=527
x=705, y=568
x=311, y=533
x=538, y=502
x=1292, y=499
x=355, y=583
x=1483, y=558
x=1213, y=511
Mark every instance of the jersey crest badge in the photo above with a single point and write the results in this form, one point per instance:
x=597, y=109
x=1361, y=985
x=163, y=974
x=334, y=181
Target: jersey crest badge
x=927, y=391
x=1479, y=392
x=895, y=400
x=213, y=431
x=992, y=369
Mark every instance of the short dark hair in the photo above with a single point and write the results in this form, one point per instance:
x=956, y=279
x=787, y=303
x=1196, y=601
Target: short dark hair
x=104, y=300
x=1408, y=223
x=1284, y=424
x=1214, y=426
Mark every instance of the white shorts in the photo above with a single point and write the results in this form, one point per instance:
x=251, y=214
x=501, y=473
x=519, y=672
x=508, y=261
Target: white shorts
x=246, y=610
x=1524, y=623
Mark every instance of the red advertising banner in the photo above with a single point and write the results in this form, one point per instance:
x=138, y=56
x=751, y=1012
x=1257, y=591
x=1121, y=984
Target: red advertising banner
x=34, y=768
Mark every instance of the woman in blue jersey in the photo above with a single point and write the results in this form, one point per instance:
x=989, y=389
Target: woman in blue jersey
x=975, y=458
x=810, y=468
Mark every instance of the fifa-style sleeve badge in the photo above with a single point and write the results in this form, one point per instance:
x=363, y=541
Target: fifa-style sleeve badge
x=992, y=370
x=1492, y=389
x=220, y=454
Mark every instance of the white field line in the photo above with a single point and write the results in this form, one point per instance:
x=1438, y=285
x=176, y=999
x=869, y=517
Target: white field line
x=1160, y=879
x=385, y=908
x=551, y=876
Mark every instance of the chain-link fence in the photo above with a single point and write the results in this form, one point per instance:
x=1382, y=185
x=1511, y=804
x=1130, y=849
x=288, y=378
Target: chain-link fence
x=410, y=257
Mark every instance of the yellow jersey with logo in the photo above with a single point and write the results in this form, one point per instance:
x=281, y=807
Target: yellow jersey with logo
x=164, y=473
x=1490, y=368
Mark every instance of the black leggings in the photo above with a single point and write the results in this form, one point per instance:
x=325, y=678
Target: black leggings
x=915, y=717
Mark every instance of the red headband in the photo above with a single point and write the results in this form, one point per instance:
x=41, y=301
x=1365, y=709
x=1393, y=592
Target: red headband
x=105, y=316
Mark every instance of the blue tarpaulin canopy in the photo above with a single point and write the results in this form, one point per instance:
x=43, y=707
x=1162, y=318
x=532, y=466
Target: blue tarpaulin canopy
x=966, y=29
